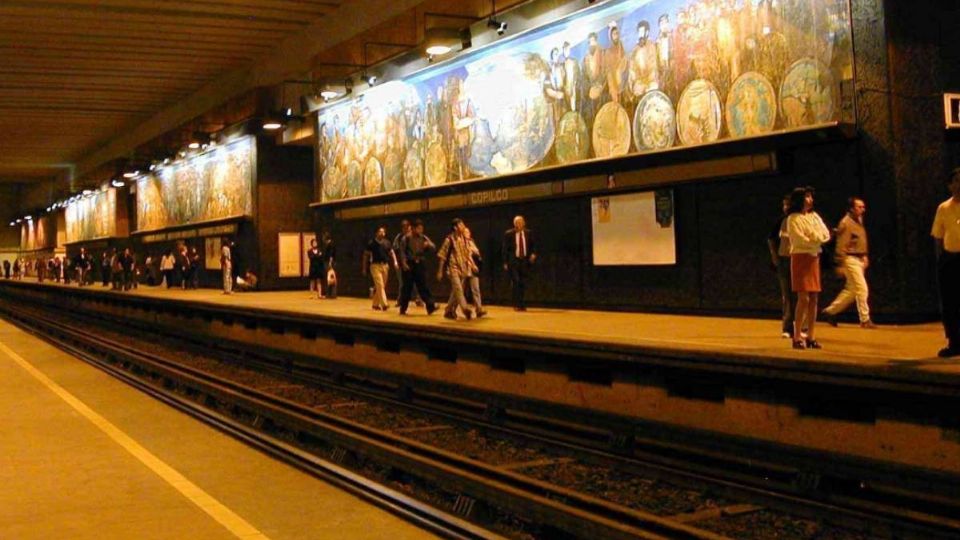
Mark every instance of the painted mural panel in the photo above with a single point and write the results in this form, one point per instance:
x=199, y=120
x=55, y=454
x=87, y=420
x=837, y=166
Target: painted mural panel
x=216, y=184
x=92, y=216
x=40, y=233
x=622, y=77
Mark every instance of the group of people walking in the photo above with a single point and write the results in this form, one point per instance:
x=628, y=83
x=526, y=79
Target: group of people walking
x=181, y=266
x=459, y=262
x=796, y=243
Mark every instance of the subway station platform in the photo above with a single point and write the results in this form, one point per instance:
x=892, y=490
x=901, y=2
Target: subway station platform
x=890, y=348
x=86, y=456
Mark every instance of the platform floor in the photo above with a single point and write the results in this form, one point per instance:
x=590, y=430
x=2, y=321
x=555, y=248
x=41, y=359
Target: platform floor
x=889, y=347
x=84, y=456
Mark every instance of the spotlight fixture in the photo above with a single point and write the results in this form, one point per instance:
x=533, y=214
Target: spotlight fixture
x=198, y=139
x=193, y=145
x=118, y=183
x=440, y=41
x=13, y=223
x=87, y=192
x=271, y=124
x=131, y=173
x=499, y=25
x=28, y=218
x=371, y=80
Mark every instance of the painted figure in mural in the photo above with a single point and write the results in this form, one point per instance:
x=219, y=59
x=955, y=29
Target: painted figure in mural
x=643, y=73
x=553, y=87
x=614, y=64
x=571, y=78
x=593, y=78
x=464, y=117
x=665, y=74
x=727, y=48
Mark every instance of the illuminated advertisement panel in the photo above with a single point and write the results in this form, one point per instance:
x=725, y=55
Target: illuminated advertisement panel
x=215, y=184
x=92, y=217
x=620, y=78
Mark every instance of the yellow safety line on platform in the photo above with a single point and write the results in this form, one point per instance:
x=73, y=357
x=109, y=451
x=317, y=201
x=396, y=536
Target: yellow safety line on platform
x=212, y=507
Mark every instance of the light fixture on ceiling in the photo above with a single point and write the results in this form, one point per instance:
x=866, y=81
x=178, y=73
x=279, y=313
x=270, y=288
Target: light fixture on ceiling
x=87, y=192
x=441, y=41
x=117, y=182
x=28, y=218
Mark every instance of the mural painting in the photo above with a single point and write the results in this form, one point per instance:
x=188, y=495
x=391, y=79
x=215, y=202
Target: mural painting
x=93, y=216
x=621, y=77
x=216, y=184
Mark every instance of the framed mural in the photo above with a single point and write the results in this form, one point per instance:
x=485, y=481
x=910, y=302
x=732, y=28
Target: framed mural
x=213, y=185
x=622, y=77
x=92, y=217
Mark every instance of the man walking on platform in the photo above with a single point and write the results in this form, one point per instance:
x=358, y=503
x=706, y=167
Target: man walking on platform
x=779, y=245
x=519, y=254
x=404, y=231
x=413, y=250
x=378, y=257
x=454, y=256
x=946, y=232
x=852, y=260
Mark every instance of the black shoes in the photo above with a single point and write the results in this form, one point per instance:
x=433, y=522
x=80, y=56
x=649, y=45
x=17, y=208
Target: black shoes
x=949, y=352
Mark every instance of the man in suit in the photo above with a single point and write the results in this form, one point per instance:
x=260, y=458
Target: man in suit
x=519, y=254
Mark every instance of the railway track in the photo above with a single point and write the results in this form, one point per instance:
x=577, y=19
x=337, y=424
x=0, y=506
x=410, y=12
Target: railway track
x=285, y=428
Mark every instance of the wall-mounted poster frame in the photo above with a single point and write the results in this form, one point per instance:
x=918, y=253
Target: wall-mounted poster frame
x=211, y=252
x=624, y=77
x=290, y=254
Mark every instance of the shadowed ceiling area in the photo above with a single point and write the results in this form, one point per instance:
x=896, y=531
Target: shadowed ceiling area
x=76, y=73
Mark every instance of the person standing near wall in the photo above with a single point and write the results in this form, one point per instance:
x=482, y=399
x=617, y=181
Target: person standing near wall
x=82, y=264
x=852, y=258
x=105, y=271
x=807, y=233
x=378, y=257
x=193, y=260
x=316, y=269
x=226, y=265
x=328, y=250
x=778, y=243
x=404, y=231
x=166, y=268
x=6, y=269
x=519, y=255
x=946, y=233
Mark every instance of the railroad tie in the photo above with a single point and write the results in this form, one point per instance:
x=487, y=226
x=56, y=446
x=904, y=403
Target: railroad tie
x=714, y=513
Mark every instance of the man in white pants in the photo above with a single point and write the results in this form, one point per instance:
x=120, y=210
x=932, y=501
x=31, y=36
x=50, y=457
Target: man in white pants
x=852, y=260
x=226, y=263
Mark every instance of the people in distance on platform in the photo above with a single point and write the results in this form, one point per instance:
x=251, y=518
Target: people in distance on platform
x=474, y=280
x=377, y=258
x=405, y=229
x=807, y=233
x=128, y=266
x=413, y=251
x=456, y=263
x=6, y=269
x=116, y=270
x=226, y=265
x=519, y=255
x=105, y=270
x=167, y=264
x=16, y=269
x=328, y=253
x=182, y=266
x=193, y=261
x=247, y=281
x=82, y=263
x=58, y=265
x=316, y=269
x=852, y=259
x=946, y=233
x=778, y=243
x=41, y=268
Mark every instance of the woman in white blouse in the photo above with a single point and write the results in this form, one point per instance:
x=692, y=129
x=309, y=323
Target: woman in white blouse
x=807, y=233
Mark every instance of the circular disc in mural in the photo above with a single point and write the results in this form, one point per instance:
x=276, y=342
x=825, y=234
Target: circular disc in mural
x=654, y=122
x=334, y=183
x=392, y=171
x=373, y=177
x=512, y=131
x=413, y=169
x=436, y=164
x=354, y=179
x=611, y=131
x=751, y=106
x=807, y=94
x=573, y=138
x=699, y=116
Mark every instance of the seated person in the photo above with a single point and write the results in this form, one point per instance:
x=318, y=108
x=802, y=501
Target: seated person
x=246, y=282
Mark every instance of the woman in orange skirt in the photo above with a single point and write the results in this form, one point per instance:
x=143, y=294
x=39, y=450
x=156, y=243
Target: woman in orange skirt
x=806, y=232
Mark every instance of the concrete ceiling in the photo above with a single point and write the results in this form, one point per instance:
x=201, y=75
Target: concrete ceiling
x=83, y=82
